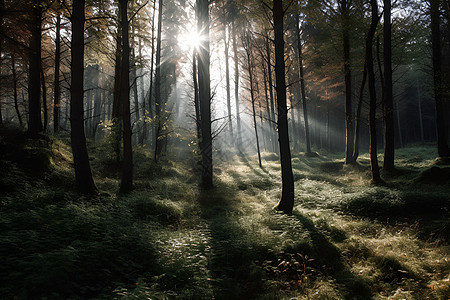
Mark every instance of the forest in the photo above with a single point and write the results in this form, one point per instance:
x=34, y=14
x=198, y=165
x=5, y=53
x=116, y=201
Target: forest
x=225, y=149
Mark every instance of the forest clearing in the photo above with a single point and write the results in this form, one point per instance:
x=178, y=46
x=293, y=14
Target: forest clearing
x=168, y=239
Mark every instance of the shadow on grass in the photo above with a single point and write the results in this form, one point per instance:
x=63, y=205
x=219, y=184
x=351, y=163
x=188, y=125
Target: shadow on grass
x=329, y=261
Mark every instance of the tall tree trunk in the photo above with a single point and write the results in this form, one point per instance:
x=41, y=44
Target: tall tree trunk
x=399, y=125
x=302, y=86
x=419, y=104
x=226, y=41
x=372, y=93
x=135, y=94
x=2, y=9
x=126, y=183
x=349, y=135
x=389, y=133
x=16, y=101
x=250, y=70
x=236, y=87
x=44, y=98
x=152, y=66
x=272, y=100
x=358, y=113
x=158, y=103
x=143, y=136
x=57, y=86
x=204, y=93
x=83, y=174
x=196, y=101
x=286, y=202
x=117, y=112
x=34, y=70
x=442, y=140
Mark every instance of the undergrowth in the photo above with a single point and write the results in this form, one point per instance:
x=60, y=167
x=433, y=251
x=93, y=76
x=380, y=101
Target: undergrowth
x=168, y=239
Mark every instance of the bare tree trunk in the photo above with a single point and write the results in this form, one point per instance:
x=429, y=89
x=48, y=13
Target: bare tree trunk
x=204, y=93
x=389, y=133
x=349, y=135
x=126, y=183
x=419, y=104
x=158, y=104
x=250, y=69
x=56, y=84
x=152, y=66
x=358, y=113
x=14, y=77
x=117, y=112
x=196, y=101
x=442, y=141
x=44, y=98
x=236, y=87
x=2, y=9
x=83, y=174
x=272, y=100
x=34, y=80
x=302, y=87
x=226, y=42
x=286, y=202
x=372, y=93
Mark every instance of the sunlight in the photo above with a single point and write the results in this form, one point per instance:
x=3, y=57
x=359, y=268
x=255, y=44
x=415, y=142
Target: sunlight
x=189, y=40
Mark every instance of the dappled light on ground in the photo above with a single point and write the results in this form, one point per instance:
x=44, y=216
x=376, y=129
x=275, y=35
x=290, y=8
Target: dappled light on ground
x=169, y=239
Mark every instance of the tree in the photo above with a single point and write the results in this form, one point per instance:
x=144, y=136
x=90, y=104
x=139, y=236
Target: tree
x=34, y=69
x=83, y=174
x=126, y=183
x=158, y=103
x=302, y=84
x=286, y=202
x=204, y=93
x=388, y=163
x=57, y=86
x=442, y=139
x=372, y=93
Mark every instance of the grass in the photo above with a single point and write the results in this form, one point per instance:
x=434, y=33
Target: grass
x=168, y=239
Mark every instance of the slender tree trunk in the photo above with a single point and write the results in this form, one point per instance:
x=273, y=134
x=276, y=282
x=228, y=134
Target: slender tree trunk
x=16, y=101
x=236, y=87
x=152, y=66
x=34, y=79
x=126, y=183
x=272, y=99
x=250, y=70
x=158, y=103
x=143, y=136
x=286, y=202
x=442, y=141
x=349, y=135
x=57, y=86
x=135, y=96
x=389, y=133
x=44, y=98
x=419, y=104
x=372, y=93
x=2, y=9
x=204, y=93
x=83, y=174
x=196, y=101
x=226, y=42
x=117, y=112
x=399, y=125
x=302, y=87
x=358, y=113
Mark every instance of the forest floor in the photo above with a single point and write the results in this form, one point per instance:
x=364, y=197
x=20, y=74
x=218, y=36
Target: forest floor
x=347, y=238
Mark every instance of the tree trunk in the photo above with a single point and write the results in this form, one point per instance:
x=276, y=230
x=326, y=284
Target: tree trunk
x=236, y=87
x=44, y=99
x=83, y=175
x=117, y=112
x=2, y=9
x=302, y=87
x=442, y=143
x=358, y=113
x=126, y=183
x=286, y=202
x=34, y=70
x=273, y=123
x=196, y=101
x=158, y=104
x=204, y=93
x=226, y=42
x=419, y=104
x=248, y=51
x=152, y=66
x=349, y=135
x=389, y=152
x=16, y=101
x=57, y=86
x=372, y=93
